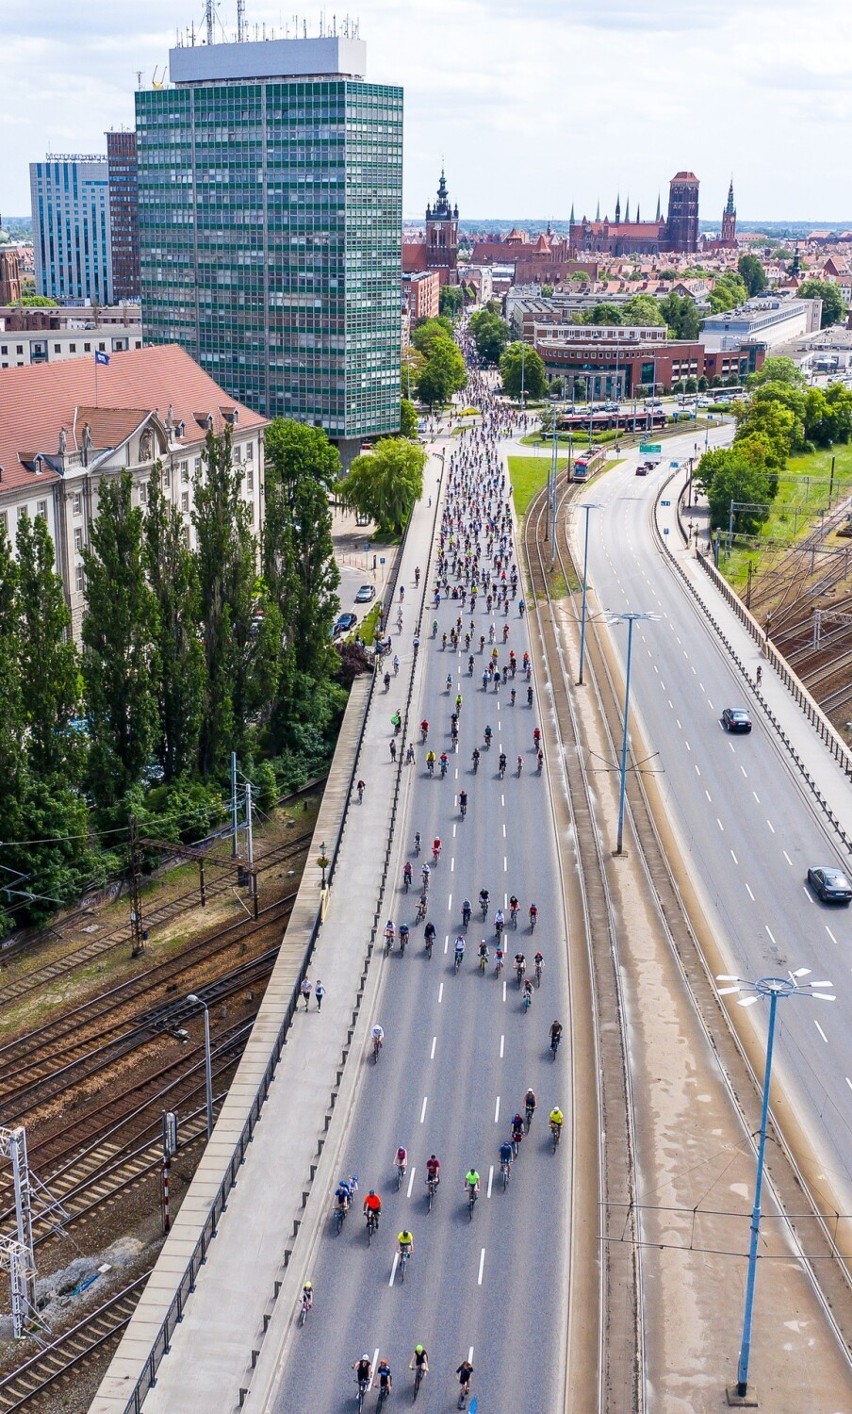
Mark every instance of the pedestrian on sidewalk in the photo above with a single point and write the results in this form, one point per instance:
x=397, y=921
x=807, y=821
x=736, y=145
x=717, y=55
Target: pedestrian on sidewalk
x=319, y=993
x=306, y=991
x=393, y=749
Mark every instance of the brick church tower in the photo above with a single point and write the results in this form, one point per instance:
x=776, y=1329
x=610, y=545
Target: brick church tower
x=442, y=236
x=729, y=221
x=682, y=225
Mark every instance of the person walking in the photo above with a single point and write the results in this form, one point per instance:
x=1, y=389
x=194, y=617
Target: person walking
x=319, y=993
x=306, y=991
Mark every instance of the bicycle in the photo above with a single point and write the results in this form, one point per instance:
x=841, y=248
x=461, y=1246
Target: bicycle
x=377, y=1046
x=419, y=1372
x=457, y=962
x=340, y=1215
x=538, y=968
x=431, y=1189
x=472, y=1196
x=505, y=1173
x=527, y=1001
x=483, y=962
x=421, y=910
x=305, y=1306
x=372, y=1225
x=556, y=1134
x=554, y=1043
x=514, y=917
x=530, y=1111
x=498, y=965
x=400, y=1175
x=404, y=1256
x=363, y=1386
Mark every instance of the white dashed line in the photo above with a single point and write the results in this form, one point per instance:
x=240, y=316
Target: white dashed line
x=749, y=892
x=482, y=1257
x=734, y=857
x=787, y=857
x=821, y=1032
x=434, y=1044
x=497, y=1110
x=771, y=826
x=830, y=934
x=502, y=1046
x=423, y=1108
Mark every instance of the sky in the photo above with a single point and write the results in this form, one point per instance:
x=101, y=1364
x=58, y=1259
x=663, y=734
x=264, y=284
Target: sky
x=530, y=104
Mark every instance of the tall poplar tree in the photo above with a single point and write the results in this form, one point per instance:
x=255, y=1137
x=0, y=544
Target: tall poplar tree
x=179, y=688
x=12, y=752
x=118, y=645
x=51, y=686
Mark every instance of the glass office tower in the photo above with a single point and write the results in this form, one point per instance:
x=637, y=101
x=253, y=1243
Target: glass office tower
x=270, y=217
x=71, y=232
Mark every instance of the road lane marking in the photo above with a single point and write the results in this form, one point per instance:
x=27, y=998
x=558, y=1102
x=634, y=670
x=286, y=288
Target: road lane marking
x=686, y=744
x=502, y=800
x=821, y=1032
x=453, y=865
x=481, y=1267
x=504, y=989
x=490, y=1181
x=708, y=795
x=502, y=1041
x=744, y=771
x=807, y=893
x=434, y=1044
x=449, y=902
x=680, y=728
x=697, y=769
x=749, y=892
x=504, y=829
x=771, y=826
x=769, y=931
x=423, y=1108
x=787, y=857
x=455, y=827
x=497, y=1110
x=390, y=1283
x=505, y=865
x=411, y=1181
x=719, y=823
x=469, y=1355
x=830, y=934
x=756, y=796
x=440, y=993
x=734, y=857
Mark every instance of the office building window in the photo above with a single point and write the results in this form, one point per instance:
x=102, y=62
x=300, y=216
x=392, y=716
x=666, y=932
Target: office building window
x=77, y=503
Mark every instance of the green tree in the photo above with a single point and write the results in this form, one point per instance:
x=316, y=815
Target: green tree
x=642, y=309
x=833, y=308
x=681, y=315
x=427, y=331
x=451, y=300
x=752, y=274
x=604, y=313
x=490, y=334
x=51, y=686
x=386, y=483
x=225, y=558
x=12, y=733
x=34, y=301
x=119, y=666
x=777, y=370
x=180, y=682
x=777, y=425
x=728, y=292
x=443, y=374
x=299, y=567
x=408, y=418
x=521, y=364
x=726, y=475
x=546, y=292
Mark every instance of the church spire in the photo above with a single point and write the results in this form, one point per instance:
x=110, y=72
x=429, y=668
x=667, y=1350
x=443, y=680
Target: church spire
x=598, y=212
x=618, y=209
x=730, y=209
x=638, y=217
x=571, y=217
x=627, y=210
x=659, y=209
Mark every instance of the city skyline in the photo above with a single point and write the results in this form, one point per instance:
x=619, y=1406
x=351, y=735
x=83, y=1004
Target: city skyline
x=632, y=96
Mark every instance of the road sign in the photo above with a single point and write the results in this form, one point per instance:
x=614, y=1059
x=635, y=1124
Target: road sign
x=665, y=503
x=650, y=449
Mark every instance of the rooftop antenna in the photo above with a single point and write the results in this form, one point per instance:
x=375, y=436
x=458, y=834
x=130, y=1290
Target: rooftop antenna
x=208, y=19
x=241, y=20
x=138, y=78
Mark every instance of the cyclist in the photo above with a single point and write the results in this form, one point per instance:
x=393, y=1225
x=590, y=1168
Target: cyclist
x=436, y=848
x=464, y=1372
x=429, y=935
x=363, y=1371
x=556, y=1118
x=555, y=1036
x=528, y=992
x=502, y=763
x=459, y=952
x=424, y=875
x=417, y=575
x=445, y=761
x=433, y=1169
x=307, y=1297
x=517, y=1131
x=758, y=677
x=498, y=960
x=403, y=936
x=513, y=910
x=471, y=1181
x=373, y=1208
x=475, y=759
x=378, y=1037
x=487, y=735
x=449, y=682
x=463, y=802
x=405, y=1242
x=430, y=762
x=420, y=1360
x=529, y=696
x=434, y=628
x=540, y=760
x=395, y=665
x=507, y=1154
x=498, y=922
x=406, y=875
x=383, y=1377
x=537, y=738
x=539, y=965
x=417, y=842
x=470, y=664
x=424, y=729
x=483, y=955
x=520, y=967
x=390, y=933
x=512, y=696
x=422, y=905
x=400, y=1159
x=529, y=1106
x=465, y=912
x=533, y=915
x=520, y=764
x=458, y=703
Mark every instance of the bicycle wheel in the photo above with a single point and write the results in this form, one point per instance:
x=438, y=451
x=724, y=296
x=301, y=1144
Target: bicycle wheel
x=340, y=1215
x=303, y=1314
x=418, y=1376
x=504, y=1171
x=403, y=1263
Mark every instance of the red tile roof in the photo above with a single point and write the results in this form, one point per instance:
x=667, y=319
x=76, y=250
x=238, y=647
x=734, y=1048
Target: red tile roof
x=37, y=401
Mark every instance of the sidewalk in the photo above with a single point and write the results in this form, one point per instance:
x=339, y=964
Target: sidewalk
x=248, y=1275
x=821, y=771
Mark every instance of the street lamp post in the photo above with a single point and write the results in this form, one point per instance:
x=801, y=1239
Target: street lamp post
x=630, y=617
x=323, y=863
x=586, y=506
x=775, y=988
x=208, y=1067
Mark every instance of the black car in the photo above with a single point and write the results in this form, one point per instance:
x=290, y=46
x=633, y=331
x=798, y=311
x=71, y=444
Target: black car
x=831, y=885
x=736, y=719
x=344, y=624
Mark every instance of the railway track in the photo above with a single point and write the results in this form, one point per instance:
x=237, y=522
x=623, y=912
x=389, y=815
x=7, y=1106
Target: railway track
x=595, y=992
x=44, y=1371
x=40, y=978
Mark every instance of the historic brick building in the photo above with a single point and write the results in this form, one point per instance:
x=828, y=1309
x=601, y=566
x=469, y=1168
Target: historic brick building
x=678, y=232
x=439, y=249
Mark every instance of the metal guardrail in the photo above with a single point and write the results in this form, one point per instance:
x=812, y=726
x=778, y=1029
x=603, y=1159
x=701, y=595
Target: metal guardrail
x=803, y=699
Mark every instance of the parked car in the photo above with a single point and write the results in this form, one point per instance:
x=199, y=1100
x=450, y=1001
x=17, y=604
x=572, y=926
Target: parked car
x=831, y=885
x=365, y=594
x=344, y=624
x=736, y=719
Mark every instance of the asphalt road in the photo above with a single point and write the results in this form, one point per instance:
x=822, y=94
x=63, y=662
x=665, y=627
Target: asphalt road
x=747, y=826
x=458, y=1057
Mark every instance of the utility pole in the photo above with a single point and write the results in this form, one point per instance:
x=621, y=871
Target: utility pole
x=235, y=818
x=137, y=933
x=250, y=849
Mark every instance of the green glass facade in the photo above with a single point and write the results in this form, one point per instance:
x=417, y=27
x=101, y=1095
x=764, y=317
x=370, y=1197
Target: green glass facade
x=270, y=225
